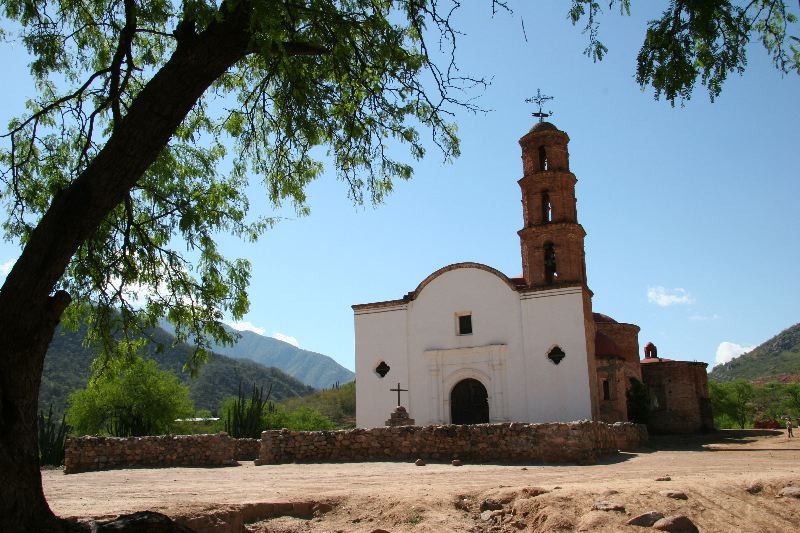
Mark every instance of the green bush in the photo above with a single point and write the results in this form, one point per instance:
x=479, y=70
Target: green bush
x=52, y=438
x=639, y=405
x=245, y=418
x=129, y=399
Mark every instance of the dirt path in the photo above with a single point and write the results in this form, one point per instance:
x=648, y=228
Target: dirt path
x=713, y=474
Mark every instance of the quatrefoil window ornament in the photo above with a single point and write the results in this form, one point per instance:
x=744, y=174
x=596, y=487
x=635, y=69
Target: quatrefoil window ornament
x=556, y=355
x=382, y=369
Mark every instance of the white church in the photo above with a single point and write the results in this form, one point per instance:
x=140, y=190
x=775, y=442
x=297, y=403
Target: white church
x=472, y=345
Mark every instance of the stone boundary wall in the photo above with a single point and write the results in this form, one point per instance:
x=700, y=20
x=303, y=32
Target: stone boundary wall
x=247, y=449
x=575, y=442
x=85, y=454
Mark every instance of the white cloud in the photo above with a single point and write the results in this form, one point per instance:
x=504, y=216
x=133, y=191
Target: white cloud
x=665, y=297
x=701, y=318
x=244, y=325
x=6, y=267
x=286, y=338
x=727, y=351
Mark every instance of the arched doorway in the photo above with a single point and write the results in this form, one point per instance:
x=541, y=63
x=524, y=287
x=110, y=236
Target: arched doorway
x=469, y=403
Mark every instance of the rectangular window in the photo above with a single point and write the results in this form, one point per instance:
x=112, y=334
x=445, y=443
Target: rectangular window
x=606, y=390
x=465, y=324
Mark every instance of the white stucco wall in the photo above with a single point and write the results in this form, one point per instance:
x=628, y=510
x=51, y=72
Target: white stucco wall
x=507, y=351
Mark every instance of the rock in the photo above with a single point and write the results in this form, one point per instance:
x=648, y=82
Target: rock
x=755, y=487
x=486, y=516
x=791, y=491
x=419, y=462
x=520, y=524
x=676, y=524
x=609, y=492
x=379, y=531
x=456, y=462
x=321, y=508
x=674, y=494
x=645, y=519
x=142, y=521
x=664, y=478
x=491, y=505
x=532, y=492
x=603, y=505
x=524, y=468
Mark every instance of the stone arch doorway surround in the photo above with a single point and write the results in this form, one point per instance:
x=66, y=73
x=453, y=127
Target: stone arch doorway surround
x=469, y=402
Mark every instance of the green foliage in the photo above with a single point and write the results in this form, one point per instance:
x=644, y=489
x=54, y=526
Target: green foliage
x=52, y=438
x=638, y=397
x=338, y=404
x=129, y=399
x=740, y=403
x=774, y=358
x=67, y=368
x=302, y=418
x=700, y=40
x=244, y=418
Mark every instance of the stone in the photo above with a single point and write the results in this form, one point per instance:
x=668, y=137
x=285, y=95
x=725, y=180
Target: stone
x=419, y=462
x=664, y=478
x=793, y=492
x=645, y=519
x=491, y=505
x=321, y=508
x=754, y=487
x=486, y=515
x=456, y=462
x=142, y=521
x=676, y=524
x=604, y=505
x=674, y=494
x=519, y=524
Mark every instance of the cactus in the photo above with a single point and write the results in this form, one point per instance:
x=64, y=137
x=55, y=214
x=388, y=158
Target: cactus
x=243, y=418
x=52, y=438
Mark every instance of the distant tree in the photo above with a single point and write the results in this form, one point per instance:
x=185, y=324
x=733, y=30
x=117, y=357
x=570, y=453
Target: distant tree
x=639, y=405
x=741, y=401
x=129, y=399
x=792, y=399
x=118, y=152
x=769, y=401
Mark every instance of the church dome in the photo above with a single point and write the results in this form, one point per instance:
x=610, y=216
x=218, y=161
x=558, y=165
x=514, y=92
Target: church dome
x=604, y=346
x=600, y=317
x=543, y=126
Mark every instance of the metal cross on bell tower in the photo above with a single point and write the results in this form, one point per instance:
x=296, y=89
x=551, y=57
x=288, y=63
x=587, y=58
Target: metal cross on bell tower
x=539, y=99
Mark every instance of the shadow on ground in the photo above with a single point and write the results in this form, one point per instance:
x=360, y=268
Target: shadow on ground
x=704, y=441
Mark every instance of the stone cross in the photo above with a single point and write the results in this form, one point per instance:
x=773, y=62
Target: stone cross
x=539, y=99
x=398, y=389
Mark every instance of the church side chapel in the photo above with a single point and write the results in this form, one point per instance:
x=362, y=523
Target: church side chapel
x=470, y=345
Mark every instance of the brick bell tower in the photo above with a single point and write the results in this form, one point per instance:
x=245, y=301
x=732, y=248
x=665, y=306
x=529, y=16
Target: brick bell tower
x=552, y=239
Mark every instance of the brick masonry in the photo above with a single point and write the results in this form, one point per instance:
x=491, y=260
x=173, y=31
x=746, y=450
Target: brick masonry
x=575, y=442
x=85, y=454
x=679, y=391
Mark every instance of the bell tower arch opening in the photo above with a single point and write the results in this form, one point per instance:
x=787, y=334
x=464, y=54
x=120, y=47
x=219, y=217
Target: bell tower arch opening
x=469, y=403
x=552, y=240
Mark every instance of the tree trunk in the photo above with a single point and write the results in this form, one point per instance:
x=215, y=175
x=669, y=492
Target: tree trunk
x=29, y=311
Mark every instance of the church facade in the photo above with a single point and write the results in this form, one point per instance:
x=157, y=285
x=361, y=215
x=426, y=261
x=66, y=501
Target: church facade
x=472, y=345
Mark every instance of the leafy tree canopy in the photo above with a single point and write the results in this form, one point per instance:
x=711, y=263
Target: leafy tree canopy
x=350, y=75
x=129, y=399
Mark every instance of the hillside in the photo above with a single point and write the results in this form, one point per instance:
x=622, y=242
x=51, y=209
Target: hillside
x=315, y=369
x=66, y=368
x=778, y=358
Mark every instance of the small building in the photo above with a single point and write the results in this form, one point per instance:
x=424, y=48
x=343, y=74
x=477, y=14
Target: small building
x=473, y=345
x=679, y=395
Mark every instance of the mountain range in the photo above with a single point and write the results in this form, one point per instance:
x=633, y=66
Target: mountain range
x=67, y=368
x=777, y=359
x=312, y=368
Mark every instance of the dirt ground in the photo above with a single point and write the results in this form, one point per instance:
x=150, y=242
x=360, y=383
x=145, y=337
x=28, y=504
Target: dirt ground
x=713, y=472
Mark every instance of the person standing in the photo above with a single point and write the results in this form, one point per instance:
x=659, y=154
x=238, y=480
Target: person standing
x=789, y=427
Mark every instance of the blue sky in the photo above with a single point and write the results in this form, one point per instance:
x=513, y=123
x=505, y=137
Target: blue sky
x=690, y=212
